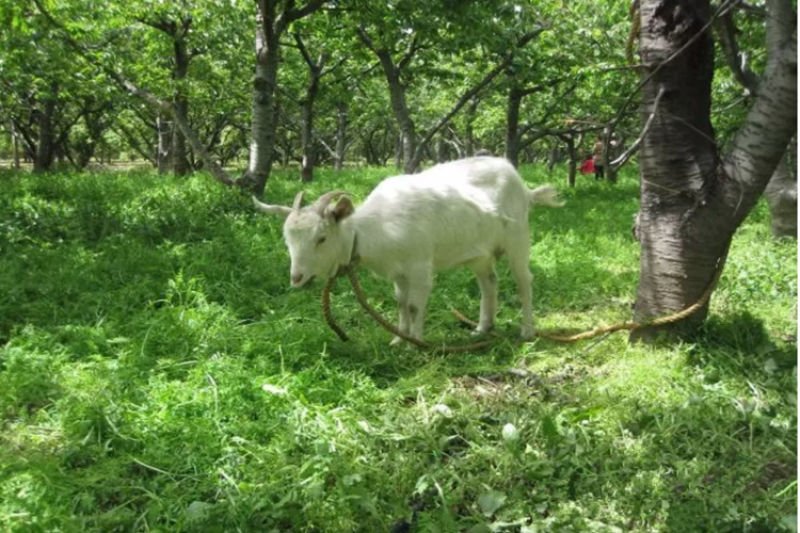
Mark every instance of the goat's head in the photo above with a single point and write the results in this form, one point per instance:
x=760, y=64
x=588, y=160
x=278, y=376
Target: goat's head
x=317, y=244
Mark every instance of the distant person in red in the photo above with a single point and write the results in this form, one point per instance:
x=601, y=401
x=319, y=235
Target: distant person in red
x=587, y=167
x=598, y=151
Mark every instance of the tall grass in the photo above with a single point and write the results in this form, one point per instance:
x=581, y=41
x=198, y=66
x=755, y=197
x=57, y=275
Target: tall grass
x=157, y=374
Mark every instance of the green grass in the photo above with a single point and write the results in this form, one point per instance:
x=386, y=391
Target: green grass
x=157, y=374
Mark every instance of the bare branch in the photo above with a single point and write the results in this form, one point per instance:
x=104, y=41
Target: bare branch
x=736, y=60
x=366, y=39
x=304, y=51
x=466, y=97
x=413, y=47
x=625, y=157
x=296, y=14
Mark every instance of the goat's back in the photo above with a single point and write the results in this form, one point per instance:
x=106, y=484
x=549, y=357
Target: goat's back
x=451, y=213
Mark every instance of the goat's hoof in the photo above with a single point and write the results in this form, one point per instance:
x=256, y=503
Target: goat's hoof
x=477, y=332
x=528, y=334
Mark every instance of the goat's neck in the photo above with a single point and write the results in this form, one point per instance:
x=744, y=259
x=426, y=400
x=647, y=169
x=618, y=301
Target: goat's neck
x=364, y=238
x=350, y=238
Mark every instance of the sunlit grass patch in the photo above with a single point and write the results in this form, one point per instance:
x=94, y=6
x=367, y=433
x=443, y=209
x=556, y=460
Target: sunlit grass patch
x=158, y=374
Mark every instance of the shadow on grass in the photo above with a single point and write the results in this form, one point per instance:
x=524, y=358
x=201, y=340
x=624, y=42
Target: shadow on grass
x=740, y=345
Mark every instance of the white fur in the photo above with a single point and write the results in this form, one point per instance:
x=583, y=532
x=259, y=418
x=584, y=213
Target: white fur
x=467, y=212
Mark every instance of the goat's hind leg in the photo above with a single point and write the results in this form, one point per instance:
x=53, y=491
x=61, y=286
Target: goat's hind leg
x=401, y=291
x=518, y=258
x=419, y=289
x=487, y=280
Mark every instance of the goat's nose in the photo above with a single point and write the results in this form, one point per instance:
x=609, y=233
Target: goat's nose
x=297, y=279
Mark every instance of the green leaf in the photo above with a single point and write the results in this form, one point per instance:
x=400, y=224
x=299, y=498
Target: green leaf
x=198, y=511
x=490, y=502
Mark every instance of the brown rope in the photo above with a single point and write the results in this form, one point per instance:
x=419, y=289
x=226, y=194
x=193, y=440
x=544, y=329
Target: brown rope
x=351, y=274
x=350, y=270
x=326, y=310
x=630, y=326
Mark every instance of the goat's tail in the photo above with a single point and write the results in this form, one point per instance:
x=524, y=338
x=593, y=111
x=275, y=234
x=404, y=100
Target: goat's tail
x=545, y=195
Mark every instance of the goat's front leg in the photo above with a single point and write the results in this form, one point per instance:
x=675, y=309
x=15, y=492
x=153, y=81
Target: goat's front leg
x=401, y=294
x=487, y=280
x=420, y=283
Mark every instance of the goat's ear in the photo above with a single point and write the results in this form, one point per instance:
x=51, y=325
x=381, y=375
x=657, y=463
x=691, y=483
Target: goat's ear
x=343, y=209
x=279, y=210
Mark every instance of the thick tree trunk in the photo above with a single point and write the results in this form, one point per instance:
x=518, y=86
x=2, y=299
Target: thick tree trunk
x=315, y=73
x=678, y=164
x=781, y=192
x=397, y=97
x=180, y=159
x=691, y=203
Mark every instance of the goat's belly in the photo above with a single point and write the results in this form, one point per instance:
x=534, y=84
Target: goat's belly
x=447, y=259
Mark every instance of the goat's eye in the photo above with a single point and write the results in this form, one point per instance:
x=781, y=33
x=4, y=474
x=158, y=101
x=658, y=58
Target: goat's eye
x=321, y=240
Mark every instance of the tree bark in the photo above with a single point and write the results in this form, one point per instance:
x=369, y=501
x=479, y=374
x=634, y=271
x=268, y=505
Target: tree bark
x=553, y=158
x=262, y=131
x=572, y=151
x=781, y=192
x=164, y=146
x=15, y=144
x=398, y=151
x=180, y=160
x=307, y=129
x=45, y=147
x=469, y=131
x=315, y=72
x=781, y=21
x=513, y=105
x=341, y=134
x=691, y=202
x=781, y=195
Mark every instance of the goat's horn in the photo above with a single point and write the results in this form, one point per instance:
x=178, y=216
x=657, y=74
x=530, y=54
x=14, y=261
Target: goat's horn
x=323, y=201
x=298, y=199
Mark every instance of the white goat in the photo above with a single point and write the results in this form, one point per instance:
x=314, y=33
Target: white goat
x=468, y=212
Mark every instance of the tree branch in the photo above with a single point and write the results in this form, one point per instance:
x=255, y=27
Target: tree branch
x=413, y=47
x=366, y=39
x=736, y=60
x=459, y=104
x=625, y=157
x=304, y=51
x=296, y=14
